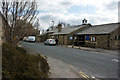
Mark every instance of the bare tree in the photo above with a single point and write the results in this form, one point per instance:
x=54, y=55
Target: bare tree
x=15, y=11
x=64, y=24
x=36, y=24
x=26, y=29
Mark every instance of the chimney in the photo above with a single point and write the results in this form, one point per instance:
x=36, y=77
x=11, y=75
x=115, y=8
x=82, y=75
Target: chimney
x=47, y=30
x=59, y=27
x=84, y=21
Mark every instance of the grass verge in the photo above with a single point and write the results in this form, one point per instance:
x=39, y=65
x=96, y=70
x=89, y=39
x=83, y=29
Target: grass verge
x=17, y=64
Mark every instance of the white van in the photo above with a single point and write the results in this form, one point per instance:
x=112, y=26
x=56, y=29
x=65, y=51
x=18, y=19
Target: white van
x=50, y=42
x=31, y=39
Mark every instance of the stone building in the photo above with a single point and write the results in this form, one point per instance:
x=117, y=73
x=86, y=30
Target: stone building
x=65, y=35
x=46, y=35
x=101, y=36
x=1, y=33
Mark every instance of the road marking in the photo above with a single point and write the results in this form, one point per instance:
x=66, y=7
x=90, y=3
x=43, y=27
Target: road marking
x=116, y=60
x=84, y=75
x=97, y=52
x=93, y=77
x=81, y=73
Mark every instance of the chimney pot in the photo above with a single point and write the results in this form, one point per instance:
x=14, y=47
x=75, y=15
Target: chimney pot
x=59, y=27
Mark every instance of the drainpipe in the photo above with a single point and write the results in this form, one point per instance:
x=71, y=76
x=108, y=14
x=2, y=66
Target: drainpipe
x=109, y=41
x=67, y=42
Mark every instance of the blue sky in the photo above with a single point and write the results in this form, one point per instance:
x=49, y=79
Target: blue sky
x=73, y=11
x=81, y=9
x=95, y=11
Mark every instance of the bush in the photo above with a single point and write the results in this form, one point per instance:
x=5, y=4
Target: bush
x=16, y=63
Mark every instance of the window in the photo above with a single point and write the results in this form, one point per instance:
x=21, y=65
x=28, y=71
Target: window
x=115, y=38
x=87, y=37
x=118, y=37
x=71, y=38
x=92, y=39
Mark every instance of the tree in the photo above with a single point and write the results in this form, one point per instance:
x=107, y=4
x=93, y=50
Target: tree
x=15, y=11
x=64, y=24
x=26, y=29
x=36, y=24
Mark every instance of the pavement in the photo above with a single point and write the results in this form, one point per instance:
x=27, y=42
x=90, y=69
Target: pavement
x=112, y=52
x=59, y=69
x=92, y=63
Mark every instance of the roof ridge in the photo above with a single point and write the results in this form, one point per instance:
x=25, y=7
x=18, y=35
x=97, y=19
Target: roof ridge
x=106, y=24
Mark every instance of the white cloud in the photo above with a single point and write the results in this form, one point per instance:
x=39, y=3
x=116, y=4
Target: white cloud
x=54, y=6
x=106, y=11
x=119, y=12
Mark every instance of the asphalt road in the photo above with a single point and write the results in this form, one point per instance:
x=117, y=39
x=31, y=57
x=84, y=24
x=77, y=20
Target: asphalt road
x=91, y=63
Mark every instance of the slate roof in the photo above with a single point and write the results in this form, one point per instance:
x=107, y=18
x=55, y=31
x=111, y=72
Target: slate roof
x=68, y=30
x=54, y=30
x=51, y=31
x=100, y=29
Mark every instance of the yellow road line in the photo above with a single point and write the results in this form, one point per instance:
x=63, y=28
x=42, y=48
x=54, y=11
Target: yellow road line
x=81, y=73
x=84, y=75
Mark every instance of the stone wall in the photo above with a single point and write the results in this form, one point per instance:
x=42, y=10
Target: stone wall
x=1, y=33
x=101, y=41
x=71, y=42
x=61, y=38
x=114, y=39
x=65, y=39
x=108, y=41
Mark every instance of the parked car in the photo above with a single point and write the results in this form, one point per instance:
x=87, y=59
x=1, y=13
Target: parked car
x=30, y=39
x=50, y=42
